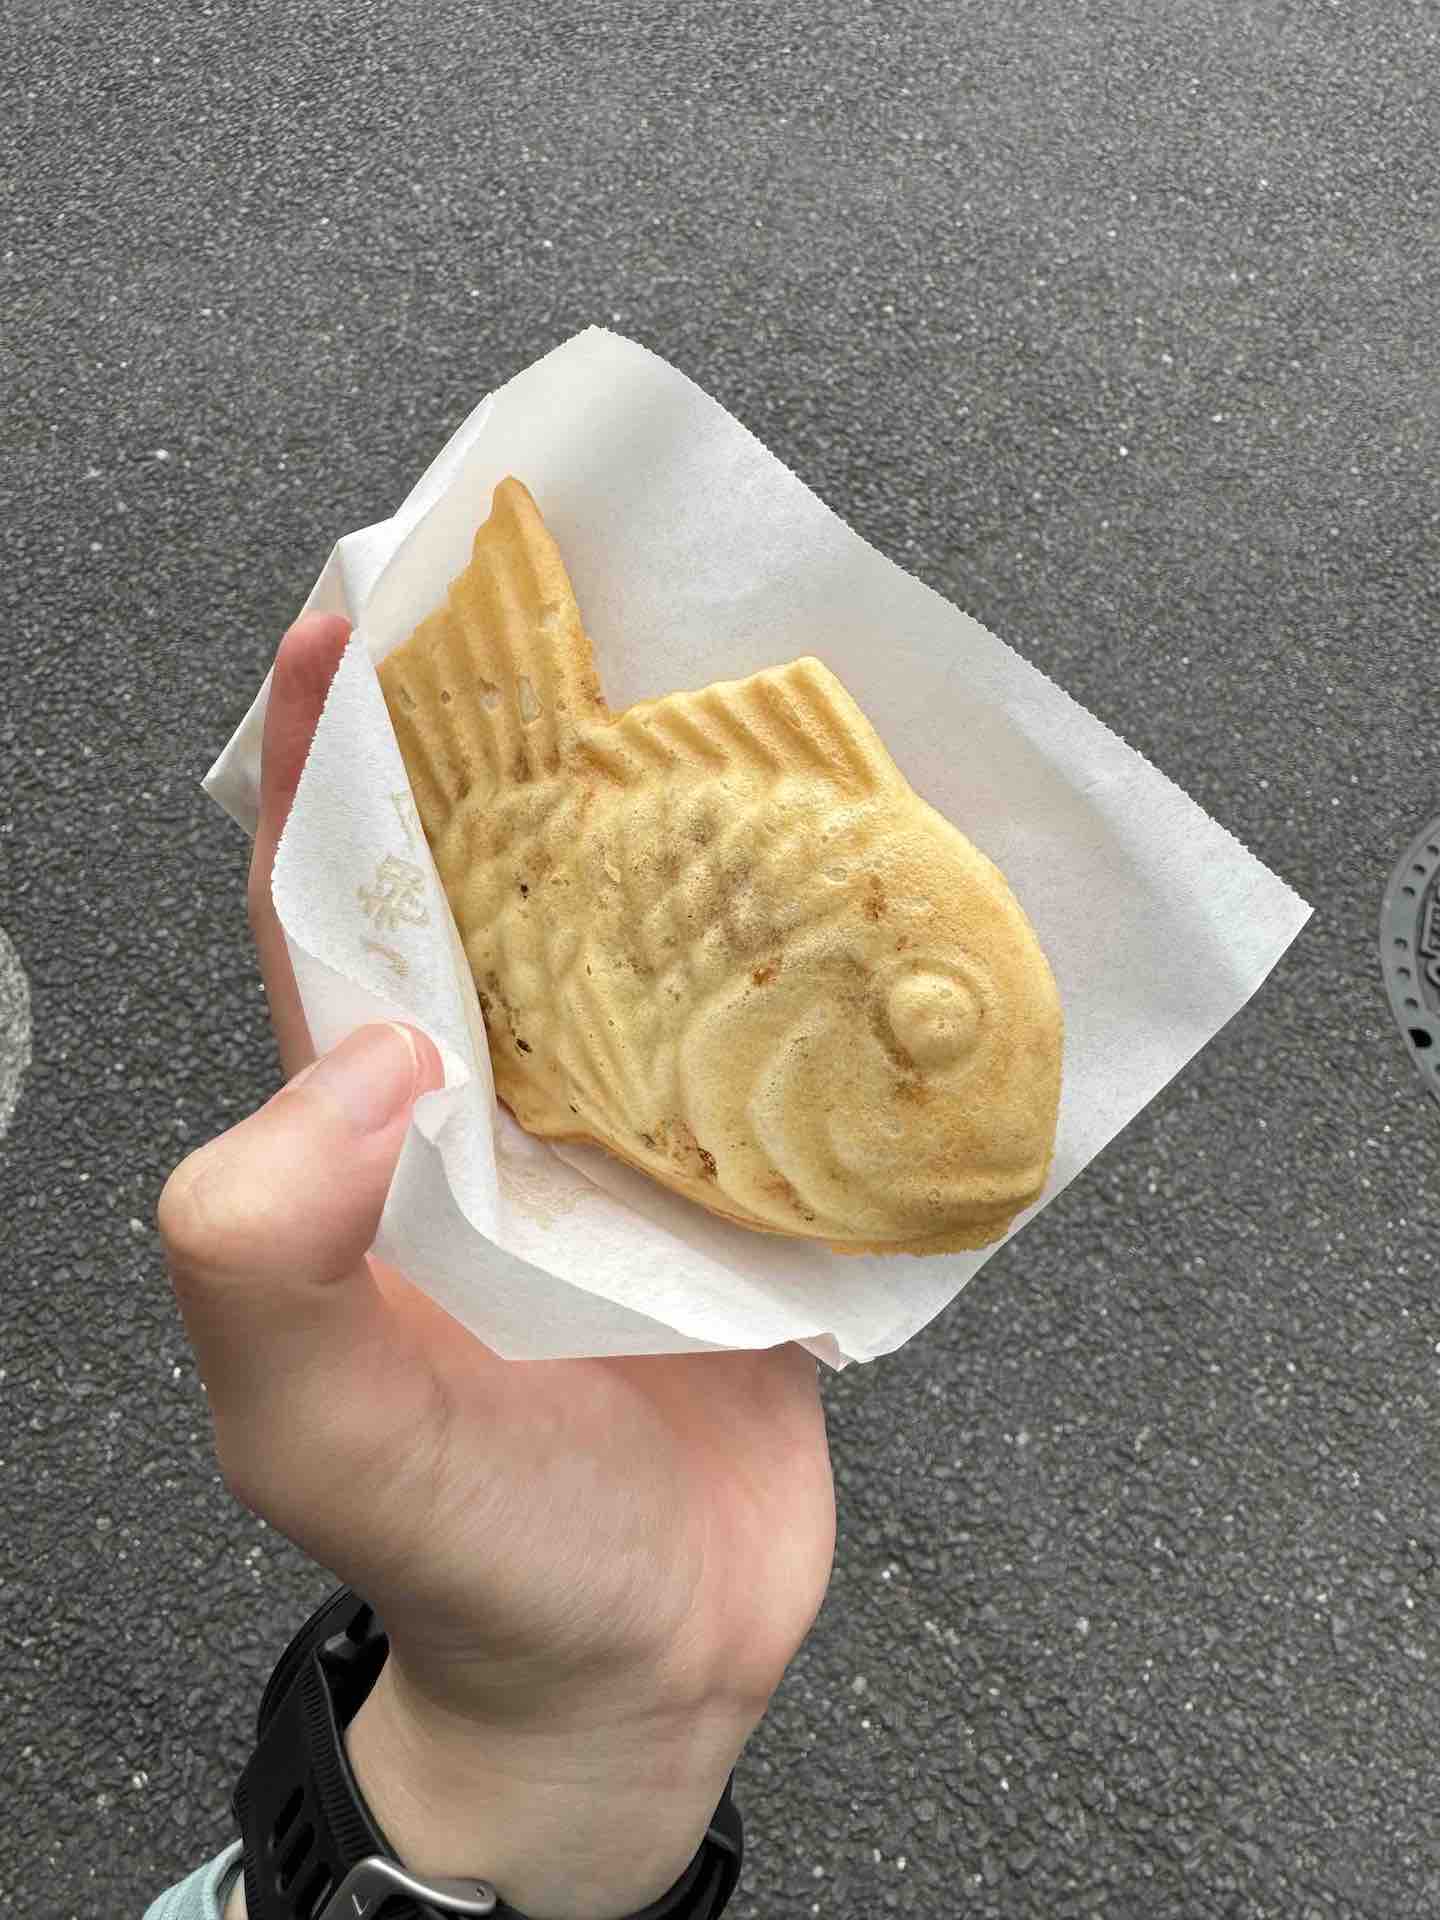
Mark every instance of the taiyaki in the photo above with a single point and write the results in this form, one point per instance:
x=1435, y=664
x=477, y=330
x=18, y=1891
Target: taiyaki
x=719, y=934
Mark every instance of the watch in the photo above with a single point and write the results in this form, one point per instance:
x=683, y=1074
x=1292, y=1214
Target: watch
x=313, y=1849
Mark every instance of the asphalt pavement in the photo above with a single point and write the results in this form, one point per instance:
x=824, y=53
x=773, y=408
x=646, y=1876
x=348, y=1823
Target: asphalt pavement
x=1114, y=322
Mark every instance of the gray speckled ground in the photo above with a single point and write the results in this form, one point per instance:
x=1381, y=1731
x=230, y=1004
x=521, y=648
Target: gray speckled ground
x=1114, y=322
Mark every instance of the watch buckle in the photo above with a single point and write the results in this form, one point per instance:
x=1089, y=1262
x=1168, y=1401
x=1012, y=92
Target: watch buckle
x=369, y=1882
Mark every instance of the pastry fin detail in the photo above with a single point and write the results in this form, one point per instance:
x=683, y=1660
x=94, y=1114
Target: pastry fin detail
x=789, y=720
x=494, y=687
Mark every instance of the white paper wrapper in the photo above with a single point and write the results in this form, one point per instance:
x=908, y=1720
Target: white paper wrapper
x=696, y=556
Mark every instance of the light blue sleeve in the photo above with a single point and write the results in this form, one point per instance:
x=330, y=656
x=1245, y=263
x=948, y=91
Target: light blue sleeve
x=203, y=1894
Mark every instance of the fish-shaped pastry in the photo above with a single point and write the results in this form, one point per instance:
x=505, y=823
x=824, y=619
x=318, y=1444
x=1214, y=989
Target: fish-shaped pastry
x=718, y=934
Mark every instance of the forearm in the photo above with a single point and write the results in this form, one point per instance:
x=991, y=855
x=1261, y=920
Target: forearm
x=591, y=1826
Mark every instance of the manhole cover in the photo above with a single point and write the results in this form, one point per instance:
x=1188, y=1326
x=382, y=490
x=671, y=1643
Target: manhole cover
x=1410, y=952
x=14, y=1029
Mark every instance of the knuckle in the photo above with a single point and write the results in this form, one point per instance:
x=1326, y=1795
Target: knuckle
x=192, y=1219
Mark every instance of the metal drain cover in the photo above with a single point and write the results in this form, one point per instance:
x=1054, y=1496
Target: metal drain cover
x=1410, y=952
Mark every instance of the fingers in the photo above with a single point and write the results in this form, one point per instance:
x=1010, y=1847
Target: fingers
x=304, y=668
x=265, y=1229
x=322, y=1398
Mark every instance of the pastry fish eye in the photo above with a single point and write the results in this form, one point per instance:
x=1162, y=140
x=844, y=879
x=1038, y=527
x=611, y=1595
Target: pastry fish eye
x=933, y=1017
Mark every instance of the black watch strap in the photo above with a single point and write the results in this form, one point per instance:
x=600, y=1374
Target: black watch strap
x=313, y=1849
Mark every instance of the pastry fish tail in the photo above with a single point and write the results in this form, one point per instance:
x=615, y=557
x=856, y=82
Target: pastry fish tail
x=493, y=688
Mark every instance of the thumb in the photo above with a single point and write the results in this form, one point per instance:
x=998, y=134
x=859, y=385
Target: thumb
x=265, y=1229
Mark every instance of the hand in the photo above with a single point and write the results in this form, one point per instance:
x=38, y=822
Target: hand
x=593, y=1572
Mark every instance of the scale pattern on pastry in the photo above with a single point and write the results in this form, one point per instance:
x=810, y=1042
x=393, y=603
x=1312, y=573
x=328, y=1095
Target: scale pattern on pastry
x=719, y=934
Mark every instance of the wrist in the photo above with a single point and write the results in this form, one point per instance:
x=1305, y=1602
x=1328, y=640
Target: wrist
x=592, y=1819
x=235, y=1907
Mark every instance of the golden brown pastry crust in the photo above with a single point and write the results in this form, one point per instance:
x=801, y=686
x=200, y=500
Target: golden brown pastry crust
x=719, y=935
